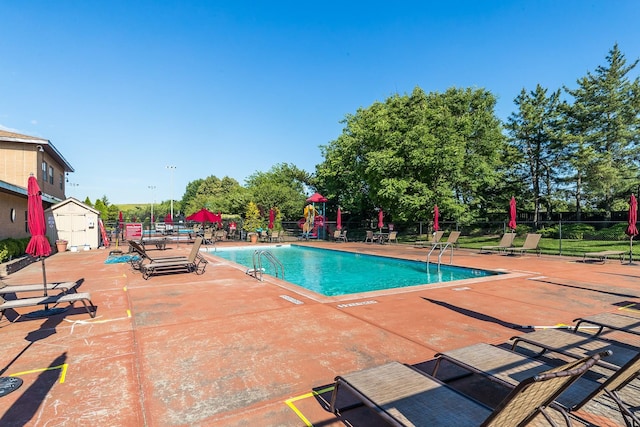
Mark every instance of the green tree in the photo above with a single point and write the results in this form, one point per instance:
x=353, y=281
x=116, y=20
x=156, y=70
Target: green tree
x=218, y=195
x=252, y=218
x=534, y=133
x=411, y=152
x=603, y=124
x=282, y=186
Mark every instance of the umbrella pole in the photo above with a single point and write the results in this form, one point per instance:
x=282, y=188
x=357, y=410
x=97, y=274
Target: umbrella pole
x=631, y=250
x=44, y=281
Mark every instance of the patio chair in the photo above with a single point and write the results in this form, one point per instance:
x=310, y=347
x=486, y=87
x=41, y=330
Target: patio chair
x=369, y=237
x=437, y=237
x=531, y=243
x=143, y=254
x=451, y=241
x=194, y=263
x=340, y=236
x=392, y=237
x=404, y=396
x=220, y=235
x=505, y=243
x=507, y=367
x=54, y=300
x=208, y=237
x=275, y=237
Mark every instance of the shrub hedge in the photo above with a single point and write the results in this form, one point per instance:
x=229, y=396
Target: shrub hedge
x=13, y=248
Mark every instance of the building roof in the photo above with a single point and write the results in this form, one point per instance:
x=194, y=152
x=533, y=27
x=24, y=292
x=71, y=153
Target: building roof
x=47, y=146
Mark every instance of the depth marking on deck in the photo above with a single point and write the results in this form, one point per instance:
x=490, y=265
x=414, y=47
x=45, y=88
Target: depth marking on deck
x=356, y=304
x=290, y=404
x=291, y=299
x=62, y=367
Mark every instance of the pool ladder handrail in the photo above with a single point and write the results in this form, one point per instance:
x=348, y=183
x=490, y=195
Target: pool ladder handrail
x=257, y=264
x=443, y=247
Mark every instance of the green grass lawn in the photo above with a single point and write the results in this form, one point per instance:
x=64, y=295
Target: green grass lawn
x=570, y=247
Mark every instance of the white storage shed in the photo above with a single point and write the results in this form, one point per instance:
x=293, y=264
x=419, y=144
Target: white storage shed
x=75, y=222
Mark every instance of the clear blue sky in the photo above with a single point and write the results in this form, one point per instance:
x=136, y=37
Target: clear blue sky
x=227, y=88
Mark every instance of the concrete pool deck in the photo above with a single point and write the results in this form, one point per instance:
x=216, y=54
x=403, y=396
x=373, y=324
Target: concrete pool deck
x=223, y=349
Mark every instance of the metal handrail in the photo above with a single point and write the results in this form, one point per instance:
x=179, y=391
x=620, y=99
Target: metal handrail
x=257, y=264
x=443, y=247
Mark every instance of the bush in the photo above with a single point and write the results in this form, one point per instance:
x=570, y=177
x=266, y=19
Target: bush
x=577, y=231
x=13, y=248
x=552, y=232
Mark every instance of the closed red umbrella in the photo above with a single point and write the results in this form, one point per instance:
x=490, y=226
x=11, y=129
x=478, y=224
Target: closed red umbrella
x=38, y=245
x=512, y=214
x=632, y=230
x=272, y=217
x=168, y=219
x=339, y=219
x=436, y=216
x=380, y=220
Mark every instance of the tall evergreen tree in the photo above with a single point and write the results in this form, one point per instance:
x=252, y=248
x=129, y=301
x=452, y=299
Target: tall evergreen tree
x=603, y=123
x=533, y=131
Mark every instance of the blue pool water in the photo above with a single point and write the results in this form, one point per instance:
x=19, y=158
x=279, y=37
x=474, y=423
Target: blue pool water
x=333, y=273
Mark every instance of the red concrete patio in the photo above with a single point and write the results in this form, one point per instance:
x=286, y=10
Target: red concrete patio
x=223, y=349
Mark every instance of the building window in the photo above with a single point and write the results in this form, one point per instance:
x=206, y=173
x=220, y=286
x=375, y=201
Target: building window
x=61, y=181
x=44, y=171
x=26, y=221
x=51, y=175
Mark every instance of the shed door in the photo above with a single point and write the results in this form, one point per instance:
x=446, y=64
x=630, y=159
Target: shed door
x=73, y=227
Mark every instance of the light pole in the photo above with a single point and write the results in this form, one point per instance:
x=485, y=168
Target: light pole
x=151, y=187
x=72, y=184
x=171, y=169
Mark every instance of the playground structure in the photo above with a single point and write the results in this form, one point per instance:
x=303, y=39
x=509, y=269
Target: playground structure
x=313, y=222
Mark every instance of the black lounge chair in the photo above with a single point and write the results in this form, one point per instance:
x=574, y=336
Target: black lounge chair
x=83, y=297
x=531, y=243
x=37, y=287
x=404, y=396
x=505, y=243
x=194, y=263
x=135, y=247
x=506, y=367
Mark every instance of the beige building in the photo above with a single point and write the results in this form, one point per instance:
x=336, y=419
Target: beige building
x=21, y=156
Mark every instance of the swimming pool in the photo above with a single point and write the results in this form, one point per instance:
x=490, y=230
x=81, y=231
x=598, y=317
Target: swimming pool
x=333, y=273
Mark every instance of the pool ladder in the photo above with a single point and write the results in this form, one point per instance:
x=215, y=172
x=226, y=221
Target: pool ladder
x=258, y=270
x=443, y=249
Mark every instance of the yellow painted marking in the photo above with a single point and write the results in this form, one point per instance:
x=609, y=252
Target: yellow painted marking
x=125, y=289
x=290, y=404
x=128, y=313
x=63, y=373
x=629, y=307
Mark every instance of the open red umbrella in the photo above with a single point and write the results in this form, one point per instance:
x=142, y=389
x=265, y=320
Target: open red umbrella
x=219, y=220
x=272, y=217
x=339, y=219
x=38, y=245
x=632, y=230
x=203, y=215
x=168, y=219
x=436, y=215
x=512, y=213
x=380, y=220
